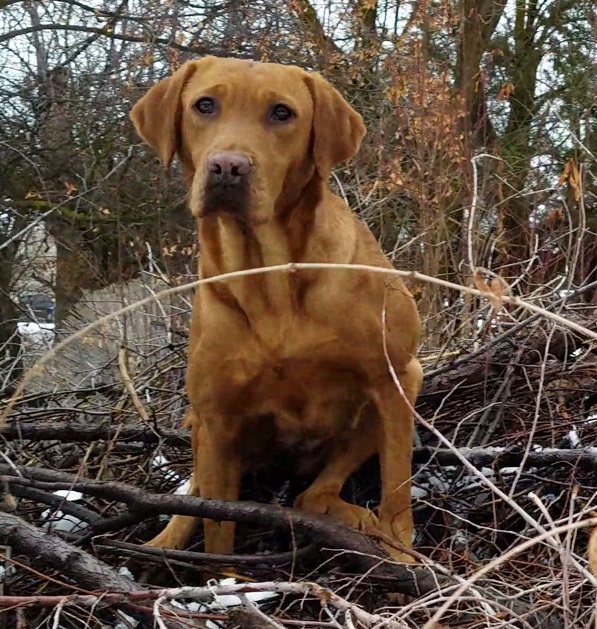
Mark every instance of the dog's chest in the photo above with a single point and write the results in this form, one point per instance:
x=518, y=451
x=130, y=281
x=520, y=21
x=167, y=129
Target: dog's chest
x=294, y=384
x=311, y=403
x=299, y=415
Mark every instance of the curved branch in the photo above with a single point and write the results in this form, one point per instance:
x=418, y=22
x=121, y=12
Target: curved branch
x=308, y=16
x=364, y=553
x=79, y=432
x=195, y=49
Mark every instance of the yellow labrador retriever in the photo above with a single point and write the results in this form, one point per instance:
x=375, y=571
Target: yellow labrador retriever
x=286, y=362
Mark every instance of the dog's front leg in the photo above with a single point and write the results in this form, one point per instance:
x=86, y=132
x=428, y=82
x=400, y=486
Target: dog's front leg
x=180, y=529
x=323, y=496
x=395, y=455
x=218, y=475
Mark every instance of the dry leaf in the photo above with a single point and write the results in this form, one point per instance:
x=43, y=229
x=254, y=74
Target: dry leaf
x=575, y=182
x=564, y=176
x=494, y=291
x=506, y=90
x=571, y=175
x=70, y=188
x=497, y=287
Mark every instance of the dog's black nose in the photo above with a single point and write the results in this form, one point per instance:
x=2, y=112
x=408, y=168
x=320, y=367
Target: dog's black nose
x=227, y=168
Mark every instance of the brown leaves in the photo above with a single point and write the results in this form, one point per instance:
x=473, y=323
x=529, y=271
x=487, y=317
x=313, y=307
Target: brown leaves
x=506, y=90
x=70, y=188
x=495, y=290
x=148, y=58
x=397, y=91
x=571, y=175
x=555, y=215
x=368, y=5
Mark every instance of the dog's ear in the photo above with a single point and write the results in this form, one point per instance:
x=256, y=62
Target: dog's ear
x=157, y=114
x=337, y=128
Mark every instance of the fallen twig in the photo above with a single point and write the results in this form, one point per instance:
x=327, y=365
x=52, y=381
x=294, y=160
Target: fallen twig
x=366, y=554
x=86, y=570
x=480, y=457
x=80, y=432
x=130, y=387
x=59, y=502
x=497, y=561
x=275, y=559
x=284, y=268
x=463, y=359
x=205, y=595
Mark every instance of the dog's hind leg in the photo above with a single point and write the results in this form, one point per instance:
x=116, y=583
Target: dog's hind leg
x=395, y=455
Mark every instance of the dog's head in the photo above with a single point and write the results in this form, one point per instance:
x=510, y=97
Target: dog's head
x=250, y=136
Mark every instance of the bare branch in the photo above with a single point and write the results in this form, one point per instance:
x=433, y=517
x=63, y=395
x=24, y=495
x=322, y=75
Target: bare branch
x=197, y=49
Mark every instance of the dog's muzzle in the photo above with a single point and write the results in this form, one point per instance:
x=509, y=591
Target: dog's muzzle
x=227, y=175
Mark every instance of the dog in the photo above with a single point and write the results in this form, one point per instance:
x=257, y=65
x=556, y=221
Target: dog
x=296, y=362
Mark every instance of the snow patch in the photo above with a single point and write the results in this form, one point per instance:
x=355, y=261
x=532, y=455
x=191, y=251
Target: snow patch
x=219, y=604
x=574, y=438
x=59, y=521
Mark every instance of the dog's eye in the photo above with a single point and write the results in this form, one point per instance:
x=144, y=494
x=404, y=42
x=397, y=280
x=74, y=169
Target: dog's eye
x=281, y=113
x=205, y=106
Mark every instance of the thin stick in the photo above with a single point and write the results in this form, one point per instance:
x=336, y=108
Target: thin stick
x=130, y=387
x=501, y=559
x=206, y=594
x=474, y=471
x=291, y=267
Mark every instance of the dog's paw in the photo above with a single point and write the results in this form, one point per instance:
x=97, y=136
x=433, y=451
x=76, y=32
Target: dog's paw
x=399, y=556
x=166, y=539
x=349, y=514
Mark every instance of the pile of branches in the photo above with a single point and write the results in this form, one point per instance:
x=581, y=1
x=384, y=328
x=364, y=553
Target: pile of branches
x=503, y=488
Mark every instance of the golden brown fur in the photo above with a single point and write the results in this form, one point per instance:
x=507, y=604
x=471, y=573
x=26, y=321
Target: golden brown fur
x=284, y=361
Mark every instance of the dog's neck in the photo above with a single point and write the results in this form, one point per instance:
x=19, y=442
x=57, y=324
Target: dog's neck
x=230, y=244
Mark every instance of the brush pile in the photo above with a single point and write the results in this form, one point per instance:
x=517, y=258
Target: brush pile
x=504, y=481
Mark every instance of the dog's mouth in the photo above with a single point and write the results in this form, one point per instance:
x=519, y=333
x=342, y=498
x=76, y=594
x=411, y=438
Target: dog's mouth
x=224, y=198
